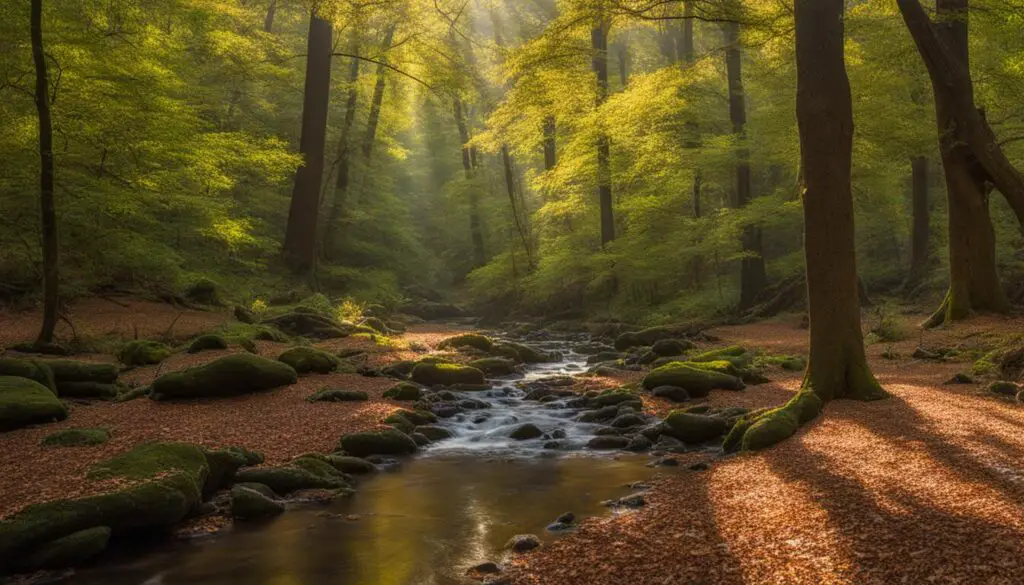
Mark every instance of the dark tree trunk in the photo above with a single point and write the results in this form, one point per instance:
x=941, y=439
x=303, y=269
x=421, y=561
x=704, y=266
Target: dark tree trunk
x=510, y=187
x=919, y=249
x=378, y=95
x=686, y=51
x=752, y=271
x=837, y=367
x=599, y=40
x=300, y=243
x=973, y=276
x=550, y=135
x=622, y=54
x=691, y=139
x=344, y=156
x=48, y=212
x=268, y=22
x=469, y=166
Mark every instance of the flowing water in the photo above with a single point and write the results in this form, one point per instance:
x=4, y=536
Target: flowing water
x=452, y=507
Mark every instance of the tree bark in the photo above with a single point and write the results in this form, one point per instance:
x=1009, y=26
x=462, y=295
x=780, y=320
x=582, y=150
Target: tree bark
x=469, y=167
x=599, y=42
x=268, y=22
x=691, y=139
x=837, y=367
x=300, y=243
x=344, y=155
x=47, y=207
x=753, y=277
x=919, y=239
x=550, y=137
x=378, y=95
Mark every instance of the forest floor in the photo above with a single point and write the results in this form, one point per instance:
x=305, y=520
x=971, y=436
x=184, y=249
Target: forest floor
x=925, y=487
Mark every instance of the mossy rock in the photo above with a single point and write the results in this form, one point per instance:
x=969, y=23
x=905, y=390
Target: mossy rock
x=248, y=504
x=31, y=369
x=377, y=324
x=612, y=397
x=268, y=333
x=207, y=342
x=164, y=482
x=432, y=359
x=404, y=391
x=228, y=376
x=650, y=336
x=76, y=438
x=520, y=353
x=400, y=369
x=351, y=465
x=446, y=374
x=78, y=371
x=338, y=395
x=258, y=487
x=694, y=428
x=474, y=340
x=737, y=355
x=68, y=551
x=407, y=420
x=671, y=347
x=384, y=442
x=434, y=433
x=244, y=315
x=26, y=402
x=286, y=479
x=307, y=360
x=224, y=464
x=494, y=366
x=88, y=390
x=1003, y=388
x=143, y=353
x=132, y=394
x=309, y=324
x=697, y=381
x=203, y=291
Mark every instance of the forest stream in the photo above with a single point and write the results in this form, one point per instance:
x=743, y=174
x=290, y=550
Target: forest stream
x=431, y=518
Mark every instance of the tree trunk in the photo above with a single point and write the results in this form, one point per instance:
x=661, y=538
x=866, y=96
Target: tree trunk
x=919, y=252
x=752, y=271
x=622, y=54
x=378, y=95
x=691, y=139
x=47, y=208
x=686, y=51
x=268, y=22
x=945, y=55
x=510, y=187
x=344, y=156
x=469, y=166
x=599, y=40
x=550, y=135
x=973, y=276
x=837, y=367
x=300, y=243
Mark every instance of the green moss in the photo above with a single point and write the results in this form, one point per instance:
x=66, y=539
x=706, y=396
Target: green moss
x=386, y=442
x=696, y=380
x=310, y=360
x=494, y=366
x=88, y=390
x=786, y=362
x=737, y=355
x=353, y=465
x=286, y=479
x=228, y=376
x=143, y=353
x=204, y=291
x=404, y=391
x=671, y=347
x=76, y=438
x=338, y=395
x=446, y=374
x=68, y=551
x=770, y=429
x=694, y=428
x=764, y=428
x=521, y=352
x=26, y=402
x=248, y=504
x=650, y=336
x=132, y=394
x=474, y=340
x=31, y=369
x=207, y=342
x=613, y=397
x=78, y=371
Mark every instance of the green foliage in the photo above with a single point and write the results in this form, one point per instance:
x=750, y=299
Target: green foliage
x=76, y=438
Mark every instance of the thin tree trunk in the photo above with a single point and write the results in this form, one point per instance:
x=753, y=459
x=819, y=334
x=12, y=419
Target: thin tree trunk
x=752, y=271
x=691, y=139
x=622, y=54
x=550, y=136
x=599, y=39
x=268, y=22
x=344, y=156
x=300, y=243
x=378, y=95
x=469, y=167
x=47, y=208
x=510, y=187
x=919, y=239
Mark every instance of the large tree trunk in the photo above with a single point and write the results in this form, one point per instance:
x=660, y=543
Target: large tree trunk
x=944, y=54
x=920, y=228
x=300, y=243
x=973, y=276
x=752, y=271
x=344, y=156
x=599, y=41
x=469, y=166
x=48, y=212
x=268, y=22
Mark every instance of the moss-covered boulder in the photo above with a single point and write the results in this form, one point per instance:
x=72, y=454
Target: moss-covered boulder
x=612, y=397
x=76, y=438
x=204, y=291
x=338, y=395
x=73, y=549
x=309, y=324
x=446, y=374
x=228, y=376
x=651, y=335
x=26, y=402
x=89, y=390
x=293, y=477
x=494, y=366
x=79, y=371
x=404, y=391
x=670, y=347
x=143, y=353
x=474, y=340
x=31, y=369
x=249, y=504
x=434, y=433
x=693, y=428
x=207, y=342
x=407, y=420
x=307, y=360
x=697, y=381
x=1003, y=388
x=737, y=355
x=352, y=465
x=521, y=353
x=384, y=442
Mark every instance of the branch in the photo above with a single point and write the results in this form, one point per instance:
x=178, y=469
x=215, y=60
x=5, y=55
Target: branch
x=387, y=65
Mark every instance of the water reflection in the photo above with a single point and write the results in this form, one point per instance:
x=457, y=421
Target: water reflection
x=423, y=525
